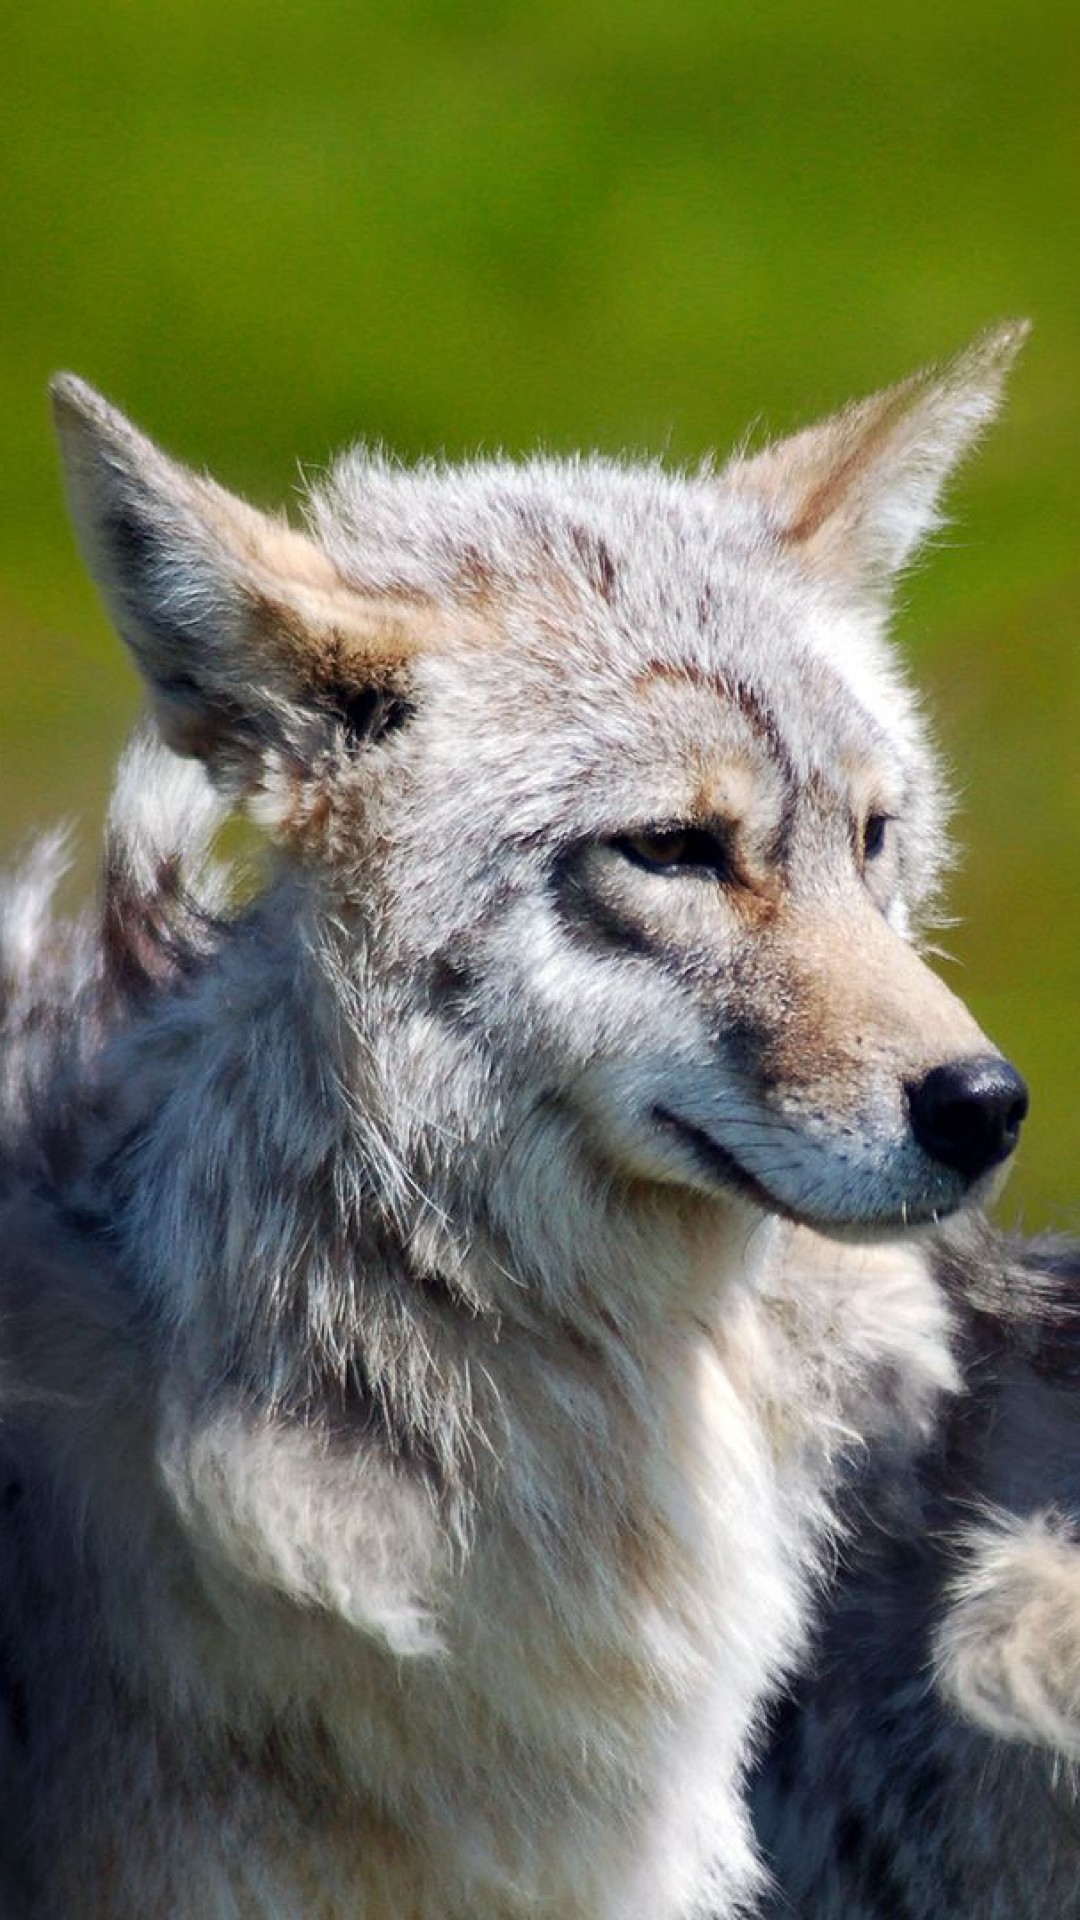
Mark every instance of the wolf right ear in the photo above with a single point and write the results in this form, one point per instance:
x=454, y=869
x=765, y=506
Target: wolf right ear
x=241, y=626
x=853, y=497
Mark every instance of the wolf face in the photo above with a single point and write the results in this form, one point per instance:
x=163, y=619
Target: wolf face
x=613, y=764
x=432, y=1250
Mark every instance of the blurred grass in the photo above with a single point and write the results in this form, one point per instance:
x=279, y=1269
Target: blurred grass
x=264, y=229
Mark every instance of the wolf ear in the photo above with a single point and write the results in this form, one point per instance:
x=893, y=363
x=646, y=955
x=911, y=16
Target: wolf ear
x=241, y=626
x=854, y=496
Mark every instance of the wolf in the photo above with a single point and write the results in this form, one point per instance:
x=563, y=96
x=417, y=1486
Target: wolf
x=438, y=1292
x=925, y=1764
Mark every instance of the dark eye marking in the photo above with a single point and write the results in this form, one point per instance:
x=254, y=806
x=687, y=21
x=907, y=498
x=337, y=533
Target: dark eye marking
x=368, y=714
x=672, y=850
x=875, y=835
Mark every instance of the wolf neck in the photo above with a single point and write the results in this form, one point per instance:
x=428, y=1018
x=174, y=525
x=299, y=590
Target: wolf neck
x=555, y=1430
x=298, y=1184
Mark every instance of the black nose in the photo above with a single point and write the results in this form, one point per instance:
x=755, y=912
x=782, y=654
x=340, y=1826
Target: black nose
x=968, y=1113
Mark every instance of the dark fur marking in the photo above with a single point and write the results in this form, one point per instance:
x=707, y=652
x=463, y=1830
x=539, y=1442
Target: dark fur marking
x=150, y=935
x=226, y=715
x=588, y=918
x=477, y=577
x=786, y=1740
x=734, y=693
x=139, y=556
x=207, y=716
x=715, y=1160
x=81, y=1223
x=597, y=562
x=179, y=686
x=924, y=1793
x=16, y=1707
x=883, y=1882
x=451, y=985
x=362, y=1403
x=14, y=1700
x=132, y=542
x=131, y=926
x=851, y=1839
x=369, y=714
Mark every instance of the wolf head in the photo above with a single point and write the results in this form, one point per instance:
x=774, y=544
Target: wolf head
x=605, y=778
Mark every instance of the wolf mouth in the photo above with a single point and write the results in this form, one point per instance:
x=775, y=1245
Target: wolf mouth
x=718, y=1161
x=721, y=1164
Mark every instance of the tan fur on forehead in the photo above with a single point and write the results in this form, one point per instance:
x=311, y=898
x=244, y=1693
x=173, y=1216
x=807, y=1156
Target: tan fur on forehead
x=731, y=788
x=733, y=778
x=735, y=692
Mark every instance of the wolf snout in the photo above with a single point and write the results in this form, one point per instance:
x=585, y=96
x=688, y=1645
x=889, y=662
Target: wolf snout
x=968, y=1113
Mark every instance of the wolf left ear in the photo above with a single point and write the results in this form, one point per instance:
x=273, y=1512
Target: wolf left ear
x=854, y=496
x=242, y=627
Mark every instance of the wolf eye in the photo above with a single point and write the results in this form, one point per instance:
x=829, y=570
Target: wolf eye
x=675, y=849
x=874, y=834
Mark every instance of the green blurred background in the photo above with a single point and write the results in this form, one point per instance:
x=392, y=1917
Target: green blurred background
x=265, y=229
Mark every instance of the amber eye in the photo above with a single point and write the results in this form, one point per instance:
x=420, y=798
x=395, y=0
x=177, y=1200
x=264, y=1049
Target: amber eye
x=874, y=835
x=676, y=850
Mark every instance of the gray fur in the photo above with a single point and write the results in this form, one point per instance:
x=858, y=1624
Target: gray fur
x=429, y=1358
x=925, y=1767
